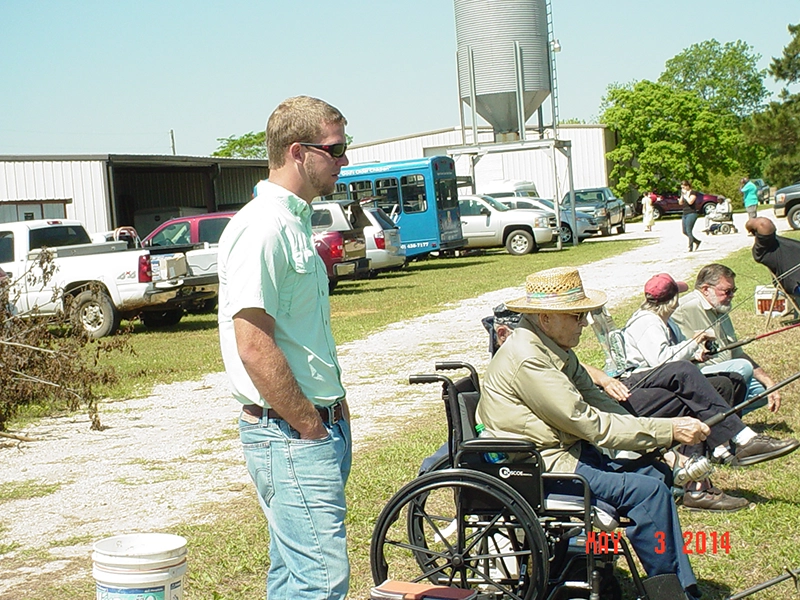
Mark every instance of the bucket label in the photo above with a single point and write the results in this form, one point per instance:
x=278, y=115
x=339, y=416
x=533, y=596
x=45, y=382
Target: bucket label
x=150, y=593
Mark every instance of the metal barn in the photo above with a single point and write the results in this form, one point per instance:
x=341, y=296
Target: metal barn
x=108, y=191
x=590, y=143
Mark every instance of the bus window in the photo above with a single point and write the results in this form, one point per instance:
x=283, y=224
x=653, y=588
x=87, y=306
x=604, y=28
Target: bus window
x=412, y=188
x=446, y=195
x=361, y=189
x=388, y=198
x=339, y=194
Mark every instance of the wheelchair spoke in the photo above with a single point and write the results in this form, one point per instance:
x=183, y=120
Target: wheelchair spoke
x=464, y=533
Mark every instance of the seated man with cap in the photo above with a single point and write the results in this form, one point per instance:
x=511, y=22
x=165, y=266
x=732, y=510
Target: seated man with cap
x=536, y=389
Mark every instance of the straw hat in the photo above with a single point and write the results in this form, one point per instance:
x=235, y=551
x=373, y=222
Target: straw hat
x=557, y=290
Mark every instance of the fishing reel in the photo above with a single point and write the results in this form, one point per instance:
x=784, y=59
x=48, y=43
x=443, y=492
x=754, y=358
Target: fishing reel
x=712, y=347
x=696, y=468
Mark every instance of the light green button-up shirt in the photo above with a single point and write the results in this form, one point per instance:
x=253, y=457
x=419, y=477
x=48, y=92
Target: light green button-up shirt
x=267, y=260
x=695, y=313
x=535, y=390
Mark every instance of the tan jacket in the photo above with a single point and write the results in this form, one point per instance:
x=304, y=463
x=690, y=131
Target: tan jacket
x=535, y=390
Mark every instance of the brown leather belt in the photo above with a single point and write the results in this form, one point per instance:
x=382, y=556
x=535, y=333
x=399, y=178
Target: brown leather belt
x=329, y=414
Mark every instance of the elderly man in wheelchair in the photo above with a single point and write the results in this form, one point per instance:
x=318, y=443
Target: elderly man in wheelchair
x=489, y=516
x=536, y=389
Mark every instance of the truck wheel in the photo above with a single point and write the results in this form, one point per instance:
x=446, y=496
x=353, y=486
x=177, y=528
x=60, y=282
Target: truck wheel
x=332, y=285
x=520, y=242
x=657, y=213
x=621, y=227
x=94, y=312
x=793, y=216
x=161, y=318
x=604, y=231
x=566, y=234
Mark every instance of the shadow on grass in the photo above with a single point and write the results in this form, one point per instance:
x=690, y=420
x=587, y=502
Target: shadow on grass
x=183, y=326
x=356, y=290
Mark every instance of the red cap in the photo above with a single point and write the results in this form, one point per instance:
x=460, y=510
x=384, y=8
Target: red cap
x=662, y=287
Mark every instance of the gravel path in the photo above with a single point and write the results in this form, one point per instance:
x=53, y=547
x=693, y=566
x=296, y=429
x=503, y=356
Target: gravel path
x=162, y=456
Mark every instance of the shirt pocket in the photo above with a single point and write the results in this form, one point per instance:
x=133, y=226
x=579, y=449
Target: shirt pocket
x=305, y=291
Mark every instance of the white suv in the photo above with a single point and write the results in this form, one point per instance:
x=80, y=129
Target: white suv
x=486, y=223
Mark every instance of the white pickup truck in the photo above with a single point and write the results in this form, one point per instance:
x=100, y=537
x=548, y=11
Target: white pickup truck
x=486, y=223
x=98, y=283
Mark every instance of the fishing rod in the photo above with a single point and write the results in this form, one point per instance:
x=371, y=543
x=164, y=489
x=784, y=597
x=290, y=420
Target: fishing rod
x=719, y=417
x=714, y=350
x=762, y=586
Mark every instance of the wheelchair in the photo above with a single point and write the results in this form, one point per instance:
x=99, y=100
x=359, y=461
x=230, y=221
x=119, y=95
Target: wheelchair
x=503, y=529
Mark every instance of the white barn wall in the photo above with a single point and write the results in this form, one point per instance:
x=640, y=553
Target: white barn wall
x=588, y=152
x=84, y=181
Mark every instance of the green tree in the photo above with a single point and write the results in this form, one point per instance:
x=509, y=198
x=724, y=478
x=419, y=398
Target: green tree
x=664, y=136
x=777, y=128
x=726, y=76
x=249, y=145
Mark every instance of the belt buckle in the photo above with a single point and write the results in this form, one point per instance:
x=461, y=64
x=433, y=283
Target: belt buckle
x=332, y=420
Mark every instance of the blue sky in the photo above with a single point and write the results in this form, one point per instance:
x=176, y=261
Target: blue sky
x=114, y=76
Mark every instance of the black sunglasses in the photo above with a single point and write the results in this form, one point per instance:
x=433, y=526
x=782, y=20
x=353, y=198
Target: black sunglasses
x=335, y=150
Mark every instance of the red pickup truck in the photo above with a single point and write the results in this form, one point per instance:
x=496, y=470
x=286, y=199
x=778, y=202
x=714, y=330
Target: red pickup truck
x=339, y=243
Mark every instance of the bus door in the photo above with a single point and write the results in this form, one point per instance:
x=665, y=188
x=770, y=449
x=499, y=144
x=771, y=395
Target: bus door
x=448, y=213
x=419, y=227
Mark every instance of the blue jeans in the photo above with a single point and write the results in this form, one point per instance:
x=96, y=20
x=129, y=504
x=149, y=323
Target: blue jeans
x=688, y=221
x=300, y=486
x=743, y=367
x=641, y=494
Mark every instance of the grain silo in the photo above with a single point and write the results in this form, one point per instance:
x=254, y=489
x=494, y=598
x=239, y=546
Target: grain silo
x=503, y=53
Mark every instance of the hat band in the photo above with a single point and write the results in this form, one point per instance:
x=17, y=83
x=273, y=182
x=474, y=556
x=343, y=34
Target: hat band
x=545, y=299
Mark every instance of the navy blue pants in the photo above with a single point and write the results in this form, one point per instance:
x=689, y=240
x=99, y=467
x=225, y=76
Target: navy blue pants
x=641, y=495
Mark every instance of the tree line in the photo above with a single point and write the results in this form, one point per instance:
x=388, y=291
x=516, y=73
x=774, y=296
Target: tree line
x=706, y=119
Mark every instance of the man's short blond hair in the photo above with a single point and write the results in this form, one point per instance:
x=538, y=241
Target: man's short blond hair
x=298, y=119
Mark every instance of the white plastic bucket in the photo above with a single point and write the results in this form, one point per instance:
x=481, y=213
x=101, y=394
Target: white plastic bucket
x=140, y=566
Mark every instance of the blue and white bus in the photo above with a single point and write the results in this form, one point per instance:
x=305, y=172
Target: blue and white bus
x=419, y=195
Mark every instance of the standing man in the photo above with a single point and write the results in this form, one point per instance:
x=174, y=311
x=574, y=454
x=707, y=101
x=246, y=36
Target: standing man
x=707, y=307
x=280, y=356
x=750, y=196
x=781, y=255
x=536, y=389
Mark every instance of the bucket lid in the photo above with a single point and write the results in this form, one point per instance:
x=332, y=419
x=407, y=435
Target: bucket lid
x=140, y=549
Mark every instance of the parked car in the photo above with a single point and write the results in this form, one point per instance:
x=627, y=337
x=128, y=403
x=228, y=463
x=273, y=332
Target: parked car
x=195, y=229
x=587, y=225
x=787, y=204
x=339, y=239
x=486, y=223
x=762, y=190
x=383, y=241
x=667, y=204
x=603, y=205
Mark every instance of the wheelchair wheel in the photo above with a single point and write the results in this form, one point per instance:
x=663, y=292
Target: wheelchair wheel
x=462, y=528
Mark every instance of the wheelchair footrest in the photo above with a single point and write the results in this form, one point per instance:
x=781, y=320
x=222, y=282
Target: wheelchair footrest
x=403, y=590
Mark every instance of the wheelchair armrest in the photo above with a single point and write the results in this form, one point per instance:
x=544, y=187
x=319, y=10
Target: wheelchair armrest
x=507, y=445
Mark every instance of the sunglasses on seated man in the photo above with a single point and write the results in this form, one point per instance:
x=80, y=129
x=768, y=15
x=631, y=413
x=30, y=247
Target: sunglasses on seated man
x=335, y=150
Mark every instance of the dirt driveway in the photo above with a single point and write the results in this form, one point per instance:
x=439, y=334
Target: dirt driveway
x=166, y=454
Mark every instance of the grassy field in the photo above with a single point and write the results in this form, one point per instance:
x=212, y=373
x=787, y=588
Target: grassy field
x=228, y=544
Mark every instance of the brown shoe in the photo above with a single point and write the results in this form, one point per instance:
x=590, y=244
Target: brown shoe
x=761, y=448
x=714, y=500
